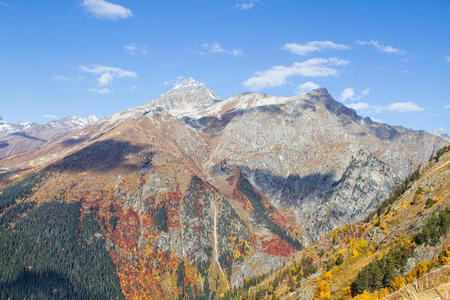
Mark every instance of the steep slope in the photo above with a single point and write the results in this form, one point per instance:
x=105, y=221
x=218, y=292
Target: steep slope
x=23, y=136
x=401, y=251
x=300, y=153
x=194, y=194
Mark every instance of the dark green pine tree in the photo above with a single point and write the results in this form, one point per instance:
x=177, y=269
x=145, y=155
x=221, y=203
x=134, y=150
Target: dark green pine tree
x=340, y=259
x=206, y=289
x=361, y=283
x=377, y=277
x=389, y=271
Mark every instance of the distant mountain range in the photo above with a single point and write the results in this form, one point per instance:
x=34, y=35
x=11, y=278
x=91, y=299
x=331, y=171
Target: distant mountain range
x=191, y=194
x=23, y=136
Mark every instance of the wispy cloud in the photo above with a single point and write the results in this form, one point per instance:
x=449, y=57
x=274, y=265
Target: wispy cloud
x=404, y=107
x=380, y=47
x=50, y=116
x=236, y=52
x=133, y=49
x=278, y=75
x=246, y=5
x=349, y=94
x=106, y=10
x=103, y=91
x=313, y=46
x=308, y=86
x=399, y=107
x=216, y=48
x=106, y=74
x=66, y=78
x=359, y=106
x=174, y=81
x=4, y=4
x=447, y=106
x=447, y=58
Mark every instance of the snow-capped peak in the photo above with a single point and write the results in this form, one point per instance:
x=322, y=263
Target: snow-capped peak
x=187, y=97
x=67, y=124
x=441, y=132
x=189, y=82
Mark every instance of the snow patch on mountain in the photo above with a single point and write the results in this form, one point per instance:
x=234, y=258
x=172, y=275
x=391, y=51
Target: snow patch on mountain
x=441, y=132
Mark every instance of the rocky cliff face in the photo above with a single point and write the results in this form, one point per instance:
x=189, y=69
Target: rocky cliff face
x=198, y=193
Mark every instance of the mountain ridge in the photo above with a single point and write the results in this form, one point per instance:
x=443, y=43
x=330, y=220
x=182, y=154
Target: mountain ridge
x=23, y=136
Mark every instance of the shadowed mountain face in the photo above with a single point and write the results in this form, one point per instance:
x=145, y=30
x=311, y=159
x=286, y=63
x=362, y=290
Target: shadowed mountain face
x=194, y=193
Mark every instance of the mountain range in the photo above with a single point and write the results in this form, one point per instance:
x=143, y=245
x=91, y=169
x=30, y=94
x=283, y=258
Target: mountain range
x=23, y=136
x=192, y=194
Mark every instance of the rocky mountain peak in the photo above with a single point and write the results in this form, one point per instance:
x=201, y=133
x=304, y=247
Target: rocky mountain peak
x=186, y=97
x=441, y=132
x=189, y=83
x=321, y=95
x=320, y=92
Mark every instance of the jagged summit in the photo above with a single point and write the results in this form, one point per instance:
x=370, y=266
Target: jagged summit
x=189, y=82
x=188, y=96
x=441, y=132
x=75, y=121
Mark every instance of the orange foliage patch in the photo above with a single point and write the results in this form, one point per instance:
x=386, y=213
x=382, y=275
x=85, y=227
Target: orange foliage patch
x=277, y=246
x=173, y=202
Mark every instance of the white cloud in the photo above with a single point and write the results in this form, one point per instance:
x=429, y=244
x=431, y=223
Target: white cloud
x=380, y=47
x=106, y=10
x=360, y=106
x=447, y=58
x=308, y=86
x=404, y=107
x=400, y=107
x=366, y=92
x=313, y=46
x=103, y=91
x=49, y=116
x=447, y=106
x=106, y=74
x=133, y=88
x=66, y=78
x=347, y=94
x=105, y=79
x=246, y=5
x=278, y=75
x=135, y=50
x=216, y=48
x=236, y=52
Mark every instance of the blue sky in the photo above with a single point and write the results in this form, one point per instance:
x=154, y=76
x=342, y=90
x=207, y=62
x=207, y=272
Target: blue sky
x=388, y=59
